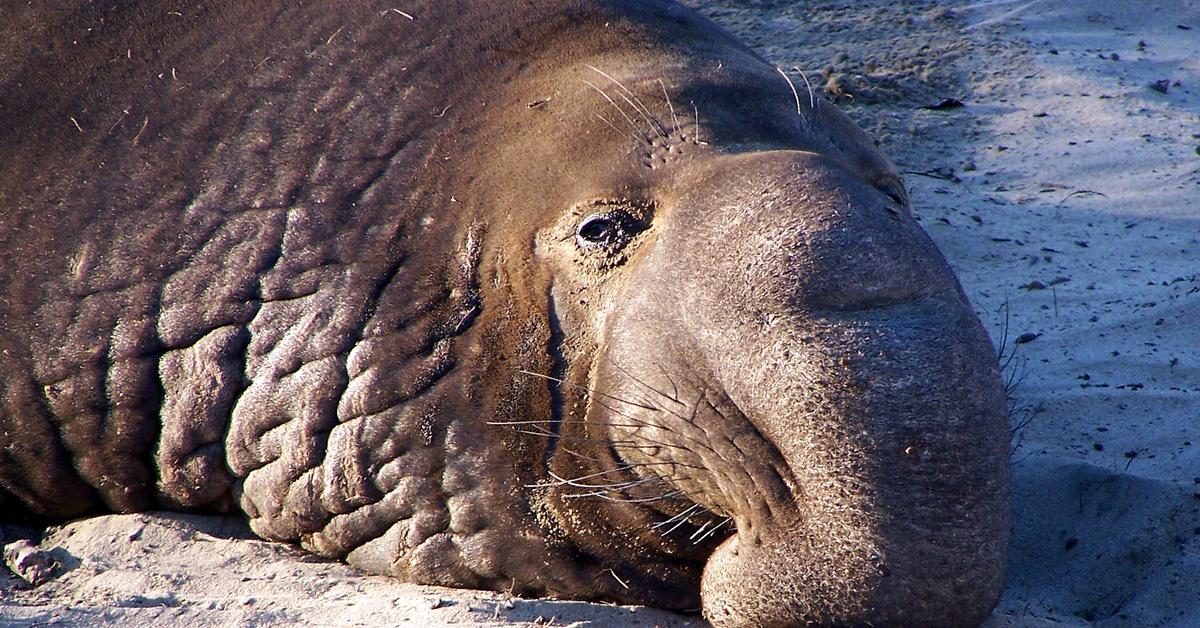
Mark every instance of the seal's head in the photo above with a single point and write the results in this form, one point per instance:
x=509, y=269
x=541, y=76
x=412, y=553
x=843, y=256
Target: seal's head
x=771, y=381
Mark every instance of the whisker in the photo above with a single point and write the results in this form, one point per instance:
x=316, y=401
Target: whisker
x=544, y=433
x=642, y=441
x=560, y=481
x=696, y=113
x=644, y=437
x=582, y=456
x=638, y=106
x=678, y=524
x=643, y=406
x=557, y=482
x=640, y=500
x=638, y=422
x=676, y=517
x=651, y=425
x=674, y=413
x=581, y=388
x=619, y=109
x=551, y=421
x=795, y=94
x=674, y=118
x=639, y=464
x=812, y=99
x=618, y=486
x=714, y=529
x=674, y=389
x=696, y=406
x=624, y=444
x=626, y=467
x=605, y=120
x=654, y=125
x=639, y=381
x=590, y=475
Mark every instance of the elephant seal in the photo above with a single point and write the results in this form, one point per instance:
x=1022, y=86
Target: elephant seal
x=578, y=299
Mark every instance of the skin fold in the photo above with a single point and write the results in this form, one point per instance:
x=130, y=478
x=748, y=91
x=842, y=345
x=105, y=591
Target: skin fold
x=576, y=299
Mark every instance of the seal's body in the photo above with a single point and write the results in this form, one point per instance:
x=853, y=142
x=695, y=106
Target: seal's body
x=576, y=298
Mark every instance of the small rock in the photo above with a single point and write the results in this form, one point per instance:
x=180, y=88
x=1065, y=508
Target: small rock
x=1027, y=337
x=948, y=103
x=1161, y=86
x=32, y=564
x=149, y=600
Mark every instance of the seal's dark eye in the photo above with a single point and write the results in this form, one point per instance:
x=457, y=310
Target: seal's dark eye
x=602, y=231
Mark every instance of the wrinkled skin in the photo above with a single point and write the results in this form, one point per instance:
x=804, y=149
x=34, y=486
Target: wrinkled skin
x=572, y=299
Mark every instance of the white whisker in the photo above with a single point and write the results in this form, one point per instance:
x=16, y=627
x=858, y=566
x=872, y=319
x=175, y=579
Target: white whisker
x=612, y=102
x=812, y=99
x=674, y=118
x=636, y=103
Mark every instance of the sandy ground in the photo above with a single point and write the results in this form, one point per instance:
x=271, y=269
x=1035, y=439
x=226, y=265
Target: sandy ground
x=1064, y=191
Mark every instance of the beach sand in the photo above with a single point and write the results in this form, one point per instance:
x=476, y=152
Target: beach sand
x=1065, y=191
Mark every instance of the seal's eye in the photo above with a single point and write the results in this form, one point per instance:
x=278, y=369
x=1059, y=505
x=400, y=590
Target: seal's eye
x=605, y=230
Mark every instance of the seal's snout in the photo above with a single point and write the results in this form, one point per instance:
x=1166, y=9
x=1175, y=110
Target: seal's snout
x=897, y=452
x=837, y=398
